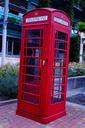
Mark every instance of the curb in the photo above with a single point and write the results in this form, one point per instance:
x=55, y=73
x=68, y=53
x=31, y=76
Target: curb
x=75, y=105
x=2, y=103
x=6, y=102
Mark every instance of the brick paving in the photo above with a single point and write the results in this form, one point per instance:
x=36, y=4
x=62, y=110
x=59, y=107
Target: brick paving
x=75, y=118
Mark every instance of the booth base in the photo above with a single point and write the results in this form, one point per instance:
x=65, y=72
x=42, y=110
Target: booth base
x=40, y=119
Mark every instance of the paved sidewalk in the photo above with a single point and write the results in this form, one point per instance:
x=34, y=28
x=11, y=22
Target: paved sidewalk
x=75, y=118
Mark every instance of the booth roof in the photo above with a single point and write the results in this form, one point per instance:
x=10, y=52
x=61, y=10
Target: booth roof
x=48, y=9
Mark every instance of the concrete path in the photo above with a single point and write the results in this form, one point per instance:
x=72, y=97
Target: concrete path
x=75, y=118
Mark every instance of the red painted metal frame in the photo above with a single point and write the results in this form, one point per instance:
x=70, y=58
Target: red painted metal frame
x=52, y=98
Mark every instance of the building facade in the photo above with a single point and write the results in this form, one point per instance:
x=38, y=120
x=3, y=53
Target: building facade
x=16, y=10
x=14, y=23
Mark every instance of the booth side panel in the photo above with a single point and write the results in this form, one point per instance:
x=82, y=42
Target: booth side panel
x=21, y=63
x=68, y=50
x=59, y=70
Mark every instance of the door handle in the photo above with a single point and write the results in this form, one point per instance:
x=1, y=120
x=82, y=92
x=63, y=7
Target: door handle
x=43, y=62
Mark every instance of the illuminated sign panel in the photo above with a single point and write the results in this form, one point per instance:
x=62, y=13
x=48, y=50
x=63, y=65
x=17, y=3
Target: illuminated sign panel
x=61, y=21
x=36, y=19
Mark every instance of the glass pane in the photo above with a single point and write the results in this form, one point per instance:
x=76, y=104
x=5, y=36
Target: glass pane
x=33, y=52
x=16, y=48
x=32, y=70
x=60, y=44
x=31, y=79
x=59, y=54
x=10, y=43
x=57, y=98
x=33, y=33
x=58, y=89
x=0, y=44
x=60, y=48
x=57, y=81
x=34, y=43
x=60, y=63
x=30, y=98
x=58, y=71
x=31, y=89
x=31, y=61
x=61, y=35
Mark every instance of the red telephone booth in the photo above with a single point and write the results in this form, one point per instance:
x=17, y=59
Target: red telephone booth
x=44, y=65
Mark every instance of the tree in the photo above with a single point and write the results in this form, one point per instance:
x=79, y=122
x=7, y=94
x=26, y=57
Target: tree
x=69, y=8
x=65, y=5
x=27, y=3
x=74, y=49
x=82, y=5
x=81, y=26
x=44, y=3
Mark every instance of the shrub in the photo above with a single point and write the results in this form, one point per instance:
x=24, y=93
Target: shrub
x=9, y=80
x=81, y=26
x=9, y=77
x=76, y=69
x=74, y=49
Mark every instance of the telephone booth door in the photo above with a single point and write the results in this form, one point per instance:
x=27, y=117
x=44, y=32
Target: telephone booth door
x=59, y=72
x=44, y=65
x=31, y=76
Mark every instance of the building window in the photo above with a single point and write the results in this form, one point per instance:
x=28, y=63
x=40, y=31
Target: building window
x=13, y=11
x=13, y=47
x=20, y=14
x=0, y=44
x=16, y=48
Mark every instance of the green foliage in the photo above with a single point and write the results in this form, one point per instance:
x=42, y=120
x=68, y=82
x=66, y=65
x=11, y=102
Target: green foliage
x=82, y=3
x=44, y=3
x=9, y=80
x=69, y=8
x=81, y=26
x=74, y=49
x=65, y=5
x=76, y=1
x=76, y=69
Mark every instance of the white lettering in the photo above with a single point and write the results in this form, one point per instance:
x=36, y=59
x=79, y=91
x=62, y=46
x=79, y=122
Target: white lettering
x=36, y=19
x=61, y=21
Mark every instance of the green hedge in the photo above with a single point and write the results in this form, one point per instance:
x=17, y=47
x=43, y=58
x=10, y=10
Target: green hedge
x=74, y=49
x=9, y=81
x=76, y=69
x=9, y=77
x=81, y=26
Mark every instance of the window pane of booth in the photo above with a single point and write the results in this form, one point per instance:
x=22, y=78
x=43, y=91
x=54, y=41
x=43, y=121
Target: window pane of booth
x=31, y=79
x=30, y=98
x=58, y=81
x=61, y=35
x=59, y=62
x=34, y=33
x=31, y=89
x=58, y=71
x=30, y=51
x=31, y=66
x=60, y=44
x=57, y=89
x=59, y=54
x=60, y=51
x=32, y=70
x=31, y=61
x=57, y=98
x=34, y=43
